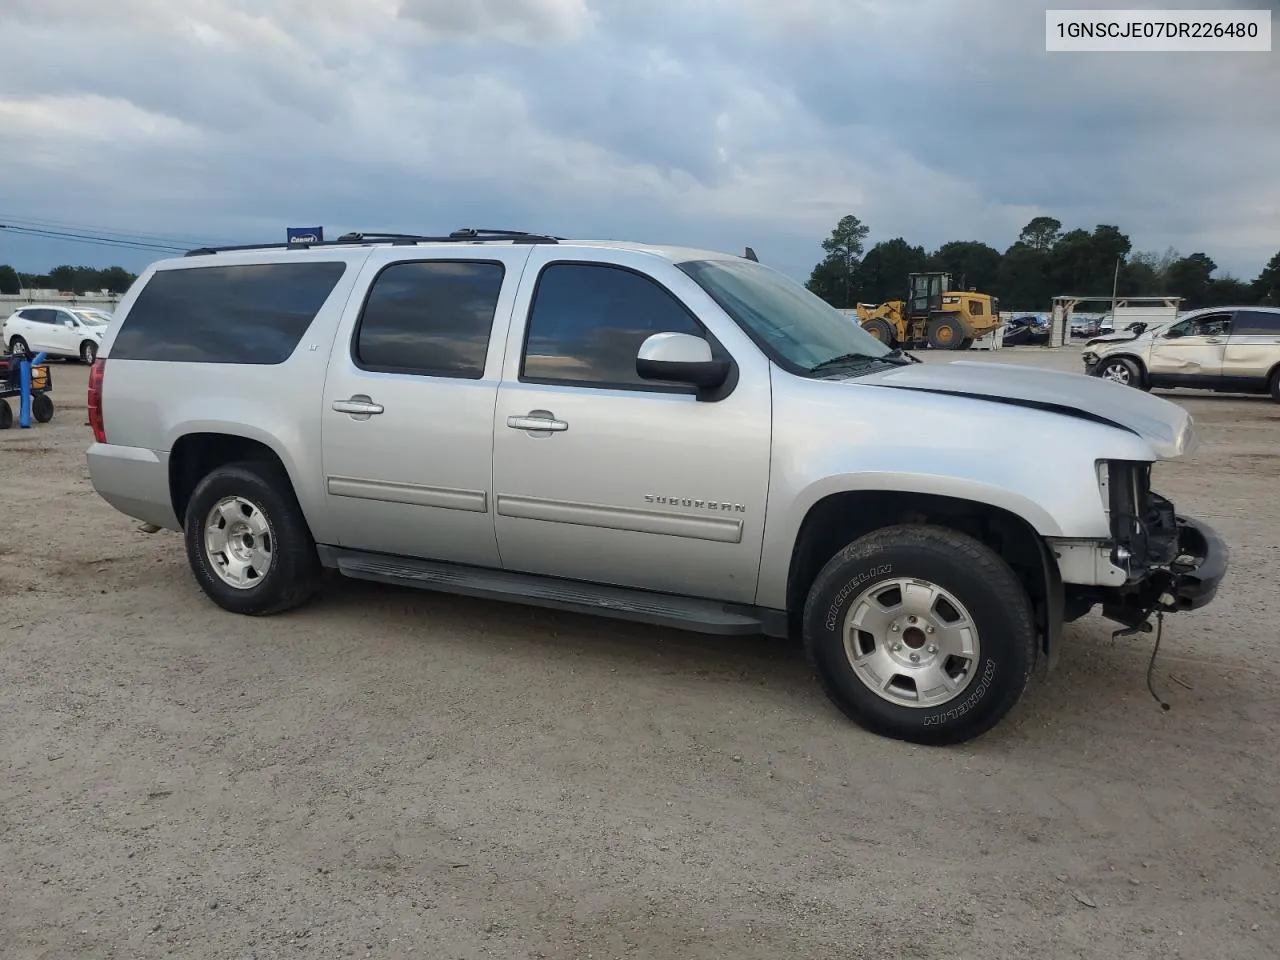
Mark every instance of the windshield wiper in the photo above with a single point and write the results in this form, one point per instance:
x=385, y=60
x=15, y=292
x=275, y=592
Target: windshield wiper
x=895, y=357
x=844, y=359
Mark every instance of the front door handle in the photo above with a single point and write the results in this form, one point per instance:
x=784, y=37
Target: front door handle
x=1213, y=340
x=538, y=421
x=358, y=406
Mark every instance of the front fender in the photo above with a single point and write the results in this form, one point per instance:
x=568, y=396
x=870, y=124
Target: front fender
x=1040, y=466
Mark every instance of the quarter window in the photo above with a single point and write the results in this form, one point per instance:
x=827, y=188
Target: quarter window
x=587, y=323
x=247, y=313
x=430, y=317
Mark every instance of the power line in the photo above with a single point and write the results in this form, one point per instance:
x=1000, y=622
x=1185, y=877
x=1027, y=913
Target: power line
x=42, y=223
x=86, y=238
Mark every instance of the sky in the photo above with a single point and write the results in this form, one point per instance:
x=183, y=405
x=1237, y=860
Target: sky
x=713, y=123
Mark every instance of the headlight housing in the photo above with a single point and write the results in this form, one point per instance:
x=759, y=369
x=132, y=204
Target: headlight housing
x=1144, y=528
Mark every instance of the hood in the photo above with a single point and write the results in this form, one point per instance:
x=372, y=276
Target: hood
x=1165, y=425
x=1124, y=336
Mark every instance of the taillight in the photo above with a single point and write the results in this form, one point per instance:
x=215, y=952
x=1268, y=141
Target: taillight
x=95, y=400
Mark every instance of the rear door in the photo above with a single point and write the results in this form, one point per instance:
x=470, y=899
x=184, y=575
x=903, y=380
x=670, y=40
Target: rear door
x=36, y=327
x=1253, y=350
x=1190, y=353
x=409, y=400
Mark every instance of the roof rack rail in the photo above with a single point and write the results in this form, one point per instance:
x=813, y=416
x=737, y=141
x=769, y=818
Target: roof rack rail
x=463, y=235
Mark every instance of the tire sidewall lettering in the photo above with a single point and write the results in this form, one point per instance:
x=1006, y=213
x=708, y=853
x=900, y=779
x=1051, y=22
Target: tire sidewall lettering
x=959, y=710
x=837, y=602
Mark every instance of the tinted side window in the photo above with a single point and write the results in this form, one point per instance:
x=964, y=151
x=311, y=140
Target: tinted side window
x=39, y=315
x=430, y=317
x=1257, y=323
x=247, y=313
x=588, y=320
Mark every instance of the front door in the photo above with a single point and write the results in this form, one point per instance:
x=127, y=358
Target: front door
x=408, y=405
x=1190, y=352
x=602, y=476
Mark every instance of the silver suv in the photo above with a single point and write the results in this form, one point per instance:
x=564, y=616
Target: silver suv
x=653, y=433
x=1226, y=349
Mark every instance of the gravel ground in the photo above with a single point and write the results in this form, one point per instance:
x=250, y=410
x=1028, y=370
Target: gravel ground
x=388, y=773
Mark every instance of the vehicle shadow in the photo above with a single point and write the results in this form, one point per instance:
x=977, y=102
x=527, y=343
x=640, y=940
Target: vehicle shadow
x=1098, y=688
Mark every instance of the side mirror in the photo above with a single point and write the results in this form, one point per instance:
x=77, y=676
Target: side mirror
x=67, y=322
x=680, y=358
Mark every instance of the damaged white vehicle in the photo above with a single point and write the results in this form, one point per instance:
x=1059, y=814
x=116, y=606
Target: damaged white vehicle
x=654, y=433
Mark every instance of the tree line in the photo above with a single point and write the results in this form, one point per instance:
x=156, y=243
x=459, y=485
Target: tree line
x=67, y=279
x=1042, y=263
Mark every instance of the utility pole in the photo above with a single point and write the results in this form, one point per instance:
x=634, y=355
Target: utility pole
x=1115, y=286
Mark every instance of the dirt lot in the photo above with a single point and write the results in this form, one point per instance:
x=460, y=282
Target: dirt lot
x=394, y=774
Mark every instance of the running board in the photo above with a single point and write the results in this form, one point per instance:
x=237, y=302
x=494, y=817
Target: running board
x=620, y=603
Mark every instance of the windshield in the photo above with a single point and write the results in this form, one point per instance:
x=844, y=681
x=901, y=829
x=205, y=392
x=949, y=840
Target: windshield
x=93, y=318
x=798, y=329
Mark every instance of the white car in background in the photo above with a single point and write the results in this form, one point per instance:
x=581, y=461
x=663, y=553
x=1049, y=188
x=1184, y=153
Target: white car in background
x=56, y=331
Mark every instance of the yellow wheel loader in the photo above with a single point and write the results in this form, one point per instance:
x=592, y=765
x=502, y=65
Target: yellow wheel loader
x=933, y=314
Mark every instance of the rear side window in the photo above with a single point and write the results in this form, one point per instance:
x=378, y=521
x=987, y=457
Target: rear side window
x=246, y=313
x=1257, y=323
x=430, y=317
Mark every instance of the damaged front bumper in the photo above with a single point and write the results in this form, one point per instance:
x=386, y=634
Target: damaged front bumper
x=1189, y=581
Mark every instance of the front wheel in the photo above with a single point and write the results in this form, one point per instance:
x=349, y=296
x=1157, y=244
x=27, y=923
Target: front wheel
x=920, y=633
x=1123, y=371
x=880, y=329
x=247, y=541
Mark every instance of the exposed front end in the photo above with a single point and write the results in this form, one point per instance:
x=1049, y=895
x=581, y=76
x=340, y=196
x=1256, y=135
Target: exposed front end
x=1157, y=560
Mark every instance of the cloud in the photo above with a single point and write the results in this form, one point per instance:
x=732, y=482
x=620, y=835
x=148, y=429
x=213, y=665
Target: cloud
x=719, y=123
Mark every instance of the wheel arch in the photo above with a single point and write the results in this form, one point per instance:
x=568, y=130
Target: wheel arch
x=193, y=455
x=840, y=518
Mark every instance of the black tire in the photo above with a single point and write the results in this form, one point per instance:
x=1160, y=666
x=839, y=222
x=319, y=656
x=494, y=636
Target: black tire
x=294, y=568
x=18, y=347
x=881, y=330
x=42, y=407
x=1121, y=370
x=981, y=582
x=945, y=333
x=88, y=352
x=966, y=343
x=1275, y=385
x=6, y=415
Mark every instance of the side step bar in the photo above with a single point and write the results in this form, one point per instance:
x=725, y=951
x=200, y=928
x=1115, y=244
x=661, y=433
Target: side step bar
x=659, y=609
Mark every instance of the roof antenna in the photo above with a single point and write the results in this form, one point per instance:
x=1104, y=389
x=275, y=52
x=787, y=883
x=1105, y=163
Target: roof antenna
x=751, y=255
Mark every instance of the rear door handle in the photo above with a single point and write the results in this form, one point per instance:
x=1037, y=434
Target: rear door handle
x=538, y=421
x=358, y=406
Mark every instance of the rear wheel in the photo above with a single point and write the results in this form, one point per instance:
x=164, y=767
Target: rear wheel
x=920, y=633
x=6, y=415
x=18, y=347
x=966, y=343
x=247, y=541
x=881, y=330
x=945, y=333
x=88, y=351
x=1122, y=371
x=1275, y=385
x=42, y=407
